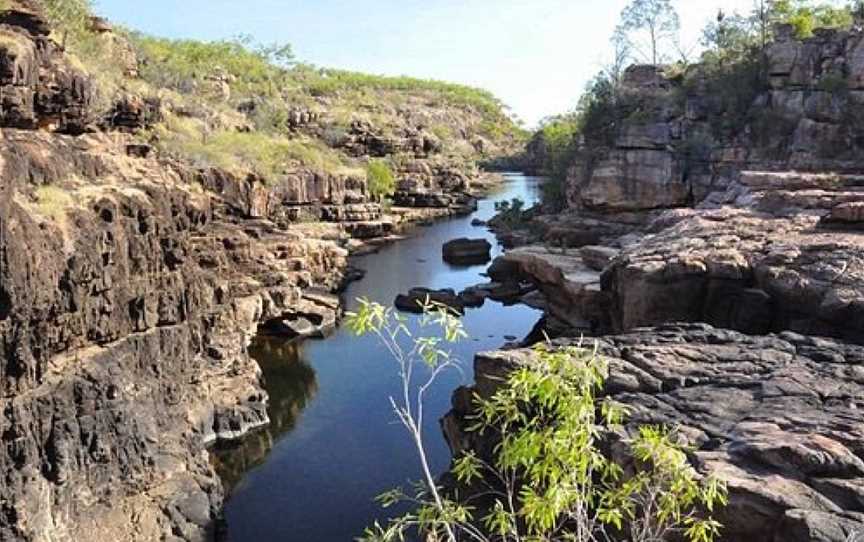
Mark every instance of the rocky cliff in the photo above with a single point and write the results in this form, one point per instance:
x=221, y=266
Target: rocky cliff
x=133, y=278
x=741, y=213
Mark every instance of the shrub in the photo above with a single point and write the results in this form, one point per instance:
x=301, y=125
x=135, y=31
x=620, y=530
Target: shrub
x=242, y=152
x=70, y=18
x=548, y=479
x=53, y=202
x=382, y=182
x=510, y=213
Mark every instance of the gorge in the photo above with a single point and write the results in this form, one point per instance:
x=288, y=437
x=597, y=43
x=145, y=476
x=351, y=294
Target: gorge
x=180, y=238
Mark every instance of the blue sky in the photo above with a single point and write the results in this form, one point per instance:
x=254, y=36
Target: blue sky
x=536, y=55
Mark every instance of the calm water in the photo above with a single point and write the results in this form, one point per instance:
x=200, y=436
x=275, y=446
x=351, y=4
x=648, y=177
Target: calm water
x=334, y=443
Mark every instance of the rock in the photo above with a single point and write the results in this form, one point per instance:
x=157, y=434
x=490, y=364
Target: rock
x=477, y=223
x=474, y=297
x=597, y=257
x=769, y=415
x=851, y=213
x=130, y=307
x=415, y=299
x=743, y=270
x=631, y=180
x=467, y=251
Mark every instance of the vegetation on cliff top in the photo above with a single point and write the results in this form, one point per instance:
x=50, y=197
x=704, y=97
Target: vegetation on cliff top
x=732, y=64
x=233, y=103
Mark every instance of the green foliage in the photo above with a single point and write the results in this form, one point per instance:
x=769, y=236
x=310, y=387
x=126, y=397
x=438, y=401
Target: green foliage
x=548, y=479
x=558, y=142
x=380, y=178
x=658, y=24
x=242, y=152
x=806, y=15
x=183, y=64
x=70, y=18
x=325, y=82
x=510, y=213
x=834, y=83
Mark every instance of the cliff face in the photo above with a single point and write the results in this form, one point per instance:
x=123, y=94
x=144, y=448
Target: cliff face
x=131, y=282
x=724, y=218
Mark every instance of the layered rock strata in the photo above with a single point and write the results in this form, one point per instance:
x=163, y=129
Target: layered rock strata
x=776, y=417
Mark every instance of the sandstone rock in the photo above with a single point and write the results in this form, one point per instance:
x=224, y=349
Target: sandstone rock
x=771, y=415
x=467, y=251
x=414, y=300
x=848, y=212
x=634, y=180
x=597, y=257
x=129, y=310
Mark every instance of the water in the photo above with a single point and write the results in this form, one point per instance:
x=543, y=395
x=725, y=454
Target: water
x=334, y=443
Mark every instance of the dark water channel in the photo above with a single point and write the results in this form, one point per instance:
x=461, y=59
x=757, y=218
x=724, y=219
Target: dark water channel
x=334, y=444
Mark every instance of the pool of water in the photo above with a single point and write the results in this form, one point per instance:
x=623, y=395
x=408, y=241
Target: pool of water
x=334, y=443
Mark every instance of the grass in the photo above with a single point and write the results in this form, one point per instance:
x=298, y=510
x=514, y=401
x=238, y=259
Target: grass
x=53, y=202
x=382, y=182
x=244, y=152
x=214, y=129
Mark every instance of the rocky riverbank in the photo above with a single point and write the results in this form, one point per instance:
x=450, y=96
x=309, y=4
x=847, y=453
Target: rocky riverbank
x=724, y=285
x=132, y=280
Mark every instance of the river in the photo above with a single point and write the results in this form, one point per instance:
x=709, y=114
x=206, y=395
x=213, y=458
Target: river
x=334, y=444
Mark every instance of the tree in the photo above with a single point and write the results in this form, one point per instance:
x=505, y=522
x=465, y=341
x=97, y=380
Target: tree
x=548, y=479
x=805, y=15
x=657, y=20
x=70, y=18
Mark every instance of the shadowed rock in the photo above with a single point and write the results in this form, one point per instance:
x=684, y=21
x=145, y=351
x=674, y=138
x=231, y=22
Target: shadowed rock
x=467, y=251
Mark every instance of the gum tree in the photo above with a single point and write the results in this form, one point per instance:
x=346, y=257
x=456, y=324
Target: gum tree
x=654, y=21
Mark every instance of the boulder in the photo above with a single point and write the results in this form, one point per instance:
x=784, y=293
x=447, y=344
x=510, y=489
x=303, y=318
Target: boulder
x=631, y=180
x=415, y=299
x=850, y=213
x=467, y=251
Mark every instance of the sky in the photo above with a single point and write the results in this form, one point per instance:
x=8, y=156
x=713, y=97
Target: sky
x=535, y=55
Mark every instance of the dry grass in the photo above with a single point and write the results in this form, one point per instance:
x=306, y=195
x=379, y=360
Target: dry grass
x=53, y=202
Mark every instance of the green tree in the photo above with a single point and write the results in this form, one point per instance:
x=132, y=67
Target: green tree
x=548, y=479
x=651, y=26
x=71, y=18
x=382, y=182
x=806, y=15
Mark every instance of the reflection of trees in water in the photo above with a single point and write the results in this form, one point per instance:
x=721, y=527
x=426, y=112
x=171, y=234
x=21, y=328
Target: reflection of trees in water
x=291, y=383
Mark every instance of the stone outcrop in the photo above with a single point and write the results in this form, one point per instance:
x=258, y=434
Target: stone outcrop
x=128, y=300
x=467, y=251
x=771, y=261
x=40, y=87
x=753, y=228
x=776, y=417
x=415, y=300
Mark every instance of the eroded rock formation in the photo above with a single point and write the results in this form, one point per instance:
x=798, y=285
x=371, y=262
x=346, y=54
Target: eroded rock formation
x=755, y=229
x=777, y=417
x=130, y=287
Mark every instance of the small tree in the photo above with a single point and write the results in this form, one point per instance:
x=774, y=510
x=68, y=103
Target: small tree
x=380, y=178
x=659, y=23
x=548, y=479
x=70, y=18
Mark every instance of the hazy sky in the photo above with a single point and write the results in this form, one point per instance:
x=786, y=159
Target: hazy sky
x=536, y=55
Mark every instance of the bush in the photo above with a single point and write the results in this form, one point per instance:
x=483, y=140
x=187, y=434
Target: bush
x=70, y=18
x=380, y=178
x=548, y=479
x=510, y=213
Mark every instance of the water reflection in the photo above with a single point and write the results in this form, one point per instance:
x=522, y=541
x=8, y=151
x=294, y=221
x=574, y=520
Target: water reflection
x=292, y=384
x=318, y=481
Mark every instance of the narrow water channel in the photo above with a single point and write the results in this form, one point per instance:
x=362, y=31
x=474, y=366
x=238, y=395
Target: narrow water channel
x=334, y=443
